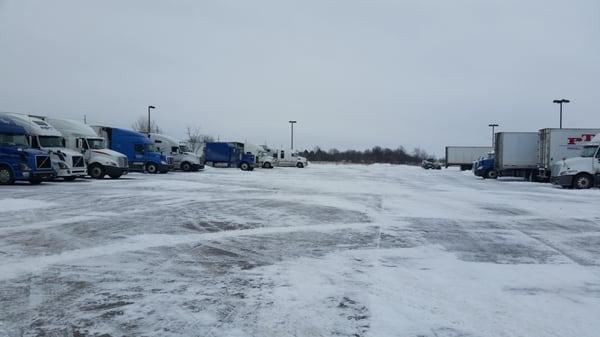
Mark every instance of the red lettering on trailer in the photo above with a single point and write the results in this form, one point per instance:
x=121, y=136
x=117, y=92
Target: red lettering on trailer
x=587, y=137
x=574, y=140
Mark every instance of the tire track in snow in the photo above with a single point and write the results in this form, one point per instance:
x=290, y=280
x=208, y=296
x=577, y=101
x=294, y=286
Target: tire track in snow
x=146, y=241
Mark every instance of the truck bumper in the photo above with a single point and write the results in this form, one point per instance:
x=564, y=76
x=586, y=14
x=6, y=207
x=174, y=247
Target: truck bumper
x=116, y=171
x=45, y=175
x=71, y=173
x=564, y=180
x=162, y=168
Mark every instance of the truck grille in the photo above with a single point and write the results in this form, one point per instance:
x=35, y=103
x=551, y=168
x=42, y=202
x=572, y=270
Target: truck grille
x=170, y=160
x=43, y=162
x=123, y=162
x=78, y=161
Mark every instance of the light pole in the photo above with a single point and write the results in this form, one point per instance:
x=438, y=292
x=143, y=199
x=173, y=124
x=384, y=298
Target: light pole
x=493, y=126
x=149, y=107
x=561, y=101
x=292, y=126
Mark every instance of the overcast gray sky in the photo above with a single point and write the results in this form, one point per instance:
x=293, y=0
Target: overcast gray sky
x=353, y=73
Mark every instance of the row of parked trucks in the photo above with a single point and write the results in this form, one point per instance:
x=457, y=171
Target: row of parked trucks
x=566, y=157
x=37, y=148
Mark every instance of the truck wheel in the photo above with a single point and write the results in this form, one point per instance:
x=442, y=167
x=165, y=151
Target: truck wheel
x=6, y=175
x=186, y=166
x=582, y=181
x=491, y=174
x=267, y=165
x=115, y=176
x=152, y=168
x=97, y=172
x=35, y=181
x=299, y=165
x=245, y=166
x=70, y=178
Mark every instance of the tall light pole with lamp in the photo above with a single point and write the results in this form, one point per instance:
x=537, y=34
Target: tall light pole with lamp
x=493, y=126
x=292, y=128
x=149, y=107
x=561, y=101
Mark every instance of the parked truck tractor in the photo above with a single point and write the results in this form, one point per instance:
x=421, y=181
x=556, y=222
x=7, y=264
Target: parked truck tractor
x=19, y=162
x=142, y=154
x=263, y=157
x=581, y=172
x=183, y=159
x=228, y=154
x=485, y=167
x=82, y=138
x=67, y=163
x=290, y=158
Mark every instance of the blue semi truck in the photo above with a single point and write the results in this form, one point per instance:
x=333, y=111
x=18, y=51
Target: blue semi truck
x=141, y=152
x=19, y=162
x=228, y=154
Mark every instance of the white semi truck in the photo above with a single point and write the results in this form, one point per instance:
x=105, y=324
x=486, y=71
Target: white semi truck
x=289, y=158
x=183, y=159
x=67, y=163
x=555, y=145
x=580, y=172
x=262, y=154
x=82, y=138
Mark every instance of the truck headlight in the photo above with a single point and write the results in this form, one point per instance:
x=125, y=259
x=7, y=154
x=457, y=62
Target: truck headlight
x=163, y=162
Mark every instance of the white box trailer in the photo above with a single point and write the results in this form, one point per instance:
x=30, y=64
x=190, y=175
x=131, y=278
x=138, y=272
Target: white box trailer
x=464, y=156
x=554, y=145
x=516, y=154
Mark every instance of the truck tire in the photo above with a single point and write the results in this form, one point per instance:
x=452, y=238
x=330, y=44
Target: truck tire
x=185, y=166
x=70, y=178
x=299, y=165
x=491, y=174
x=97, y=171
x=245, y=166
x=267, y=165
x=6, y=175
x=583, y=181
x=35, y=180
x=152, y=168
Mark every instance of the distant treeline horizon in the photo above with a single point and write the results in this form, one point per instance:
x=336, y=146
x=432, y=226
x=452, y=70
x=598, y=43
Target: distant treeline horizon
x=373, y=155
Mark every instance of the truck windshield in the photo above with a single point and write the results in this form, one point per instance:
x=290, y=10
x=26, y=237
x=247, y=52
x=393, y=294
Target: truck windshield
x=13, y=140
x=151, y=148
x=50, y=141
x=96, y=143
x=589, y=151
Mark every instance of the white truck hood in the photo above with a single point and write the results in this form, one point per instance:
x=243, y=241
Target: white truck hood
x=572, y=166
x=64, y=150
x=108, y=152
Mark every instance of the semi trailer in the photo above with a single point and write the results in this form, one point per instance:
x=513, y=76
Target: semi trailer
x=583, y=171
x=100, y=160
x=555, y=145
x=142, y=154
x=228, y=154
x=182, y=158
x=19, y=162
x=465, y=156
x=67, y=163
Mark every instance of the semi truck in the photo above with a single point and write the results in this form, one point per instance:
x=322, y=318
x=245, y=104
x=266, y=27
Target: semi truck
x=182, y=158
x=583, y=171
x=465, y=156
x=67, y=163
x=82, y=138
x=228, y=154
x=290, y=158
x=514, y=155
x=555, y=145
x=19, y=162
x=142, y=154
x=263, y=156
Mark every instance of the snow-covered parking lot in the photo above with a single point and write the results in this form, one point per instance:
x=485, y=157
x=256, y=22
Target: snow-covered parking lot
x=327, y=250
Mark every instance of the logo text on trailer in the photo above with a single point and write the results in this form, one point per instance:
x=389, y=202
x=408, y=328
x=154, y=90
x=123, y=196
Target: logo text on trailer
x=586, y=137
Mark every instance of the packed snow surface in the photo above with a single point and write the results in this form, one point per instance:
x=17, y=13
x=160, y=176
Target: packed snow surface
x=327, y=250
